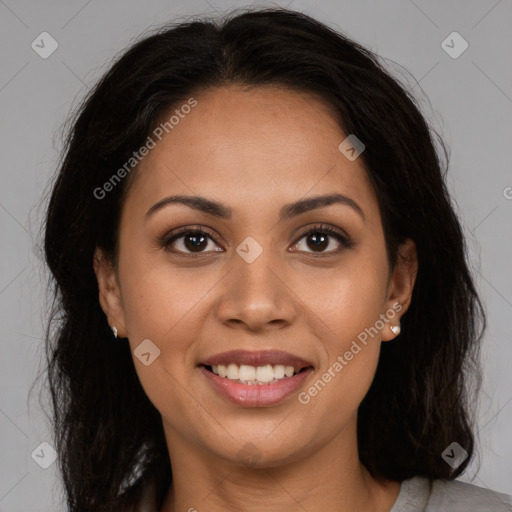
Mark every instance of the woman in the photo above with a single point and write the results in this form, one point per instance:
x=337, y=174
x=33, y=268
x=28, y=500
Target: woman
x=263, y=296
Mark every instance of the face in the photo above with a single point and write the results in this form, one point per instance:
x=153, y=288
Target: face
x=252, y=280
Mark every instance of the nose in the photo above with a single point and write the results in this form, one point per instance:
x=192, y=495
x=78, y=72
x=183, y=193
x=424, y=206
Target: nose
x=256, y=296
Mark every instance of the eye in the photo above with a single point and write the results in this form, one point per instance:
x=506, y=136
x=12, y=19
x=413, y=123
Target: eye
x=318, y=238
x=189, y=241
x=195, y=241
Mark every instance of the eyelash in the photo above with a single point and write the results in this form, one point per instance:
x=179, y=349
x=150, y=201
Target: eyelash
x=169, y=238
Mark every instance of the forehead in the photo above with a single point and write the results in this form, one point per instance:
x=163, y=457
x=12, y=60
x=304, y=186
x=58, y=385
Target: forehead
x=258, y=146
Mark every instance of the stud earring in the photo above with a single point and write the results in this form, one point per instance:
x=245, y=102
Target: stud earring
x=114, y=330
x=395, y=329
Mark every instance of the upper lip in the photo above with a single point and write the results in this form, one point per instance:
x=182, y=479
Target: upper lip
x=258, y=358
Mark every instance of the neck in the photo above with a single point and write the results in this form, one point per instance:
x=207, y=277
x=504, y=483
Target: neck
x=333, y=474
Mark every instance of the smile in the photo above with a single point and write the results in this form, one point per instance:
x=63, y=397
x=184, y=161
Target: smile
x=255, y=379
x=252, y=375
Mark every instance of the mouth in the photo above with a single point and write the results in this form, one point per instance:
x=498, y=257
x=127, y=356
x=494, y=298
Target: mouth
x=255, y=379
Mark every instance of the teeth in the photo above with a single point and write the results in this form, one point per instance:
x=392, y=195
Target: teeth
x=247, y=374
x=265, y=373
x=278, y=371
x=233, y=372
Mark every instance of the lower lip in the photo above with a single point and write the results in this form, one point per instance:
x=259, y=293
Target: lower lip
x=255, y=395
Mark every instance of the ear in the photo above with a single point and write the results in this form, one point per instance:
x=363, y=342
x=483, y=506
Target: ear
x=401, y=286
x=109, y=291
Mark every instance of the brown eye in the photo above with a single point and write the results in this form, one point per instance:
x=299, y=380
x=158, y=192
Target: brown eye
x=190, y=241
x=319, y=238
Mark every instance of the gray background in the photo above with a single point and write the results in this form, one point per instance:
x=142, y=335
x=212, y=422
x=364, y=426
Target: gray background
x=468, y=99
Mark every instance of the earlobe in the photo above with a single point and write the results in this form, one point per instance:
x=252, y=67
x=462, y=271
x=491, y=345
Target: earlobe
x=109, y=291
x=401, y=287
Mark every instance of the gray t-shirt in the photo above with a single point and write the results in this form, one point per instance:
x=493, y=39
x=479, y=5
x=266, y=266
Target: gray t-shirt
x=419, y=494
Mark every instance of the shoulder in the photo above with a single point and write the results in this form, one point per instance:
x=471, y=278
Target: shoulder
x=454, y=495
x=420, y=494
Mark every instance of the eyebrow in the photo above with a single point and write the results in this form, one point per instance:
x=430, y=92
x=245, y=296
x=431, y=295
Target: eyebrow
x=288, y=211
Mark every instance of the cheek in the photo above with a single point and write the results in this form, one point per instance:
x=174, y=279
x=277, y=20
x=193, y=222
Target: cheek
x=351, y=346
x=347, y=320
x=345, y=300
x=163, y=305
x=160, y=301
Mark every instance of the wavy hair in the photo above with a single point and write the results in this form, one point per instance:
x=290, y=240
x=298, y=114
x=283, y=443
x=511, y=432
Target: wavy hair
x=109, y=436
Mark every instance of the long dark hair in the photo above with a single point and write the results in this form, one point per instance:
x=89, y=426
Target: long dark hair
x=108, y=435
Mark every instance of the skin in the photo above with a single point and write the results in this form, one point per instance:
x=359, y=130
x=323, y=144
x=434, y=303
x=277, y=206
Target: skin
x=255, y=150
